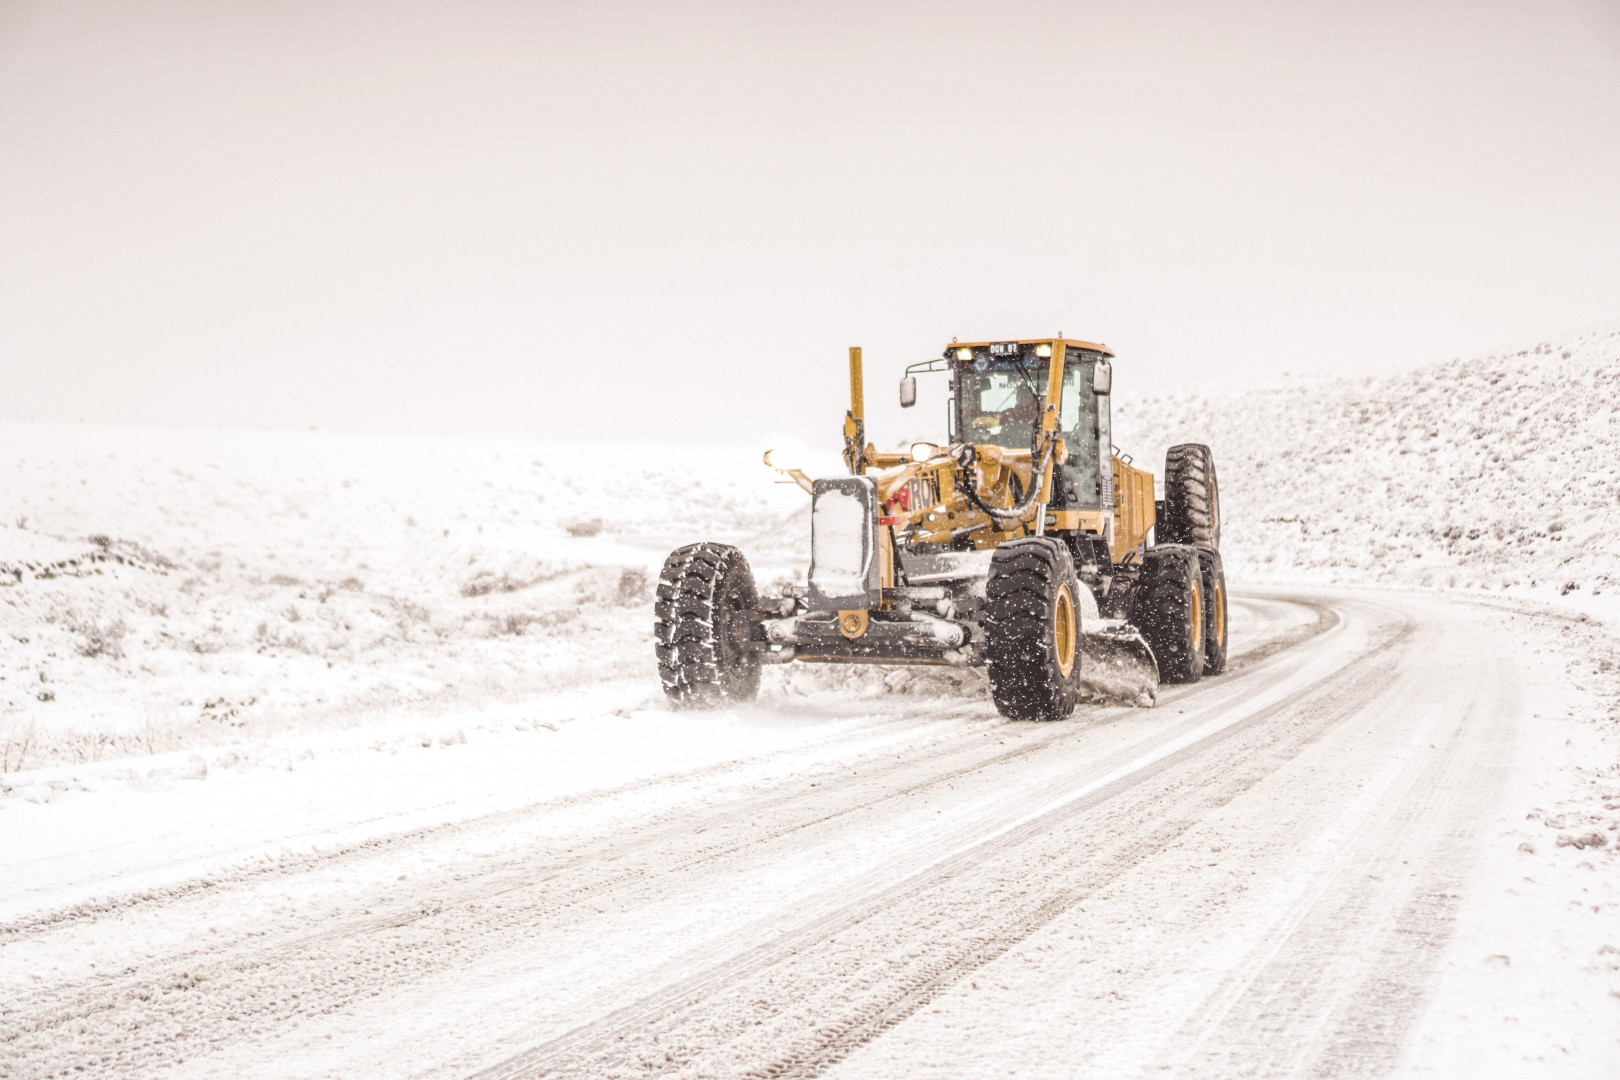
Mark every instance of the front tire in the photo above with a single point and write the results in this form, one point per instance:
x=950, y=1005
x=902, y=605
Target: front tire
x=1168, y=607
x=703, y=627
x=1032, y=626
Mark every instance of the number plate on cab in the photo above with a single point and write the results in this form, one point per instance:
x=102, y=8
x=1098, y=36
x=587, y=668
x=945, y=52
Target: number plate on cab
x=1004, y=348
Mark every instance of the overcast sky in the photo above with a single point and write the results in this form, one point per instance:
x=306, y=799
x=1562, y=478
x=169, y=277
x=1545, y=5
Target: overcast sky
x=669, y=220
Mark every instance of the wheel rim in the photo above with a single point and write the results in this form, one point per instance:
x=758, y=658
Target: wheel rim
x=1220, y=613
x=1063, y=630
x=1197, y=614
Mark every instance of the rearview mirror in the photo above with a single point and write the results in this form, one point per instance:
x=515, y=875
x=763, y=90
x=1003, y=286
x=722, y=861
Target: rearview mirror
x=1102, y=379
x=908, y=391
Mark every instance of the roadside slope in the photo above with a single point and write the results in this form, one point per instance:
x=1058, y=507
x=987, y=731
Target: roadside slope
x=1493, y=472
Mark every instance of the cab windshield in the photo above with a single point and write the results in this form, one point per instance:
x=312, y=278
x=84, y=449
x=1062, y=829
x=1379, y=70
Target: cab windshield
x=1002, y=406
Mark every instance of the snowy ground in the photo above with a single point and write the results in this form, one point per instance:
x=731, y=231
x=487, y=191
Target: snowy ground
x=185, y=589
x=328, y=755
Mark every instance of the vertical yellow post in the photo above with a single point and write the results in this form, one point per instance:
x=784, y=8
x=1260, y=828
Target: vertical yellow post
x=855, y=419
x=1049, y=426
x=857, y=389
x=1054, y=389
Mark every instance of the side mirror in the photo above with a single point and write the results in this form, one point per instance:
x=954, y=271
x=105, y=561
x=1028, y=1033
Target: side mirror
x=908, y=391
x=1102, y=379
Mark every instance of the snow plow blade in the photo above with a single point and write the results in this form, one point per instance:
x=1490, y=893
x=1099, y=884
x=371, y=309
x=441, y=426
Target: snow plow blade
x=1117, y=666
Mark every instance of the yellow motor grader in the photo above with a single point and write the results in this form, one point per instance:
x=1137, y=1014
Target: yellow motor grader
x=1019, y=543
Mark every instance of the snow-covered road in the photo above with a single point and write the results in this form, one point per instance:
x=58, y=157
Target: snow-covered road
x=1260, y=877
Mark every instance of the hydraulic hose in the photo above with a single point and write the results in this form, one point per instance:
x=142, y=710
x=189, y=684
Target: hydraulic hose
x=1012, y=515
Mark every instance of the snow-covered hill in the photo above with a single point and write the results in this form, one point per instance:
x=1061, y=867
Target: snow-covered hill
x=1492, y=472
x=164, y=589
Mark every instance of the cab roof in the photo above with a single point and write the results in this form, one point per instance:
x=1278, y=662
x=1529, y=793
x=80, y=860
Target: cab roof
x=1068, y=343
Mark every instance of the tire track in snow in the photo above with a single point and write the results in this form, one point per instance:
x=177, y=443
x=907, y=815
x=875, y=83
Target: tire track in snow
x=280, y=975
x=1343, y=972
x=1206, y=769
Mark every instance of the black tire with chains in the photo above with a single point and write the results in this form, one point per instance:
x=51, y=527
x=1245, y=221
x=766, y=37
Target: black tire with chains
x=1167, y=606
x=1027, y=680
x=703, y=627
x=1192, y=505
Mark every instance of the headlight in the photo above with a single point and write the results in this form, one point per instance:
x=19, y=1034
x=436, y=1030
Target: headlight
x=964, y=354
x=1043, y=351
x=922, y=451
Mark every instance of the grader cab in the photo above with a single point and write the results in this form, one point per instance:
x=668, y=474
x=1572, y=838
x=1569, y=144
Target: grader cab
x=1020, y=542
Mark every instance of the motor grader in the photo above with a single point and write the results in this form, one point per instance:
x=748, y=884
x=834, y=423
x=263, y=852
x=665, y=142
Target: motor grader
x=1020, y=543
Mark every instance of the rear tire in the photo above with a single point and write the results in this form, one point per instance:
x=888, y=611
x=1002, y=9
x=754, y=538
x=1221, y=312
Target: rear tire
x=1209, y=561
x=1167, y=606
x=1032, y=626
x=703, y=627
x=1192, y=498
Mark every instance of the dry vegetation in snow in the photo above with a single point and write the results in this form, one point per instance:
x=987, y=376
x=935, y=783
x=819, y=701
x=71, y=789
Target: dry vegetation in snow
x=169, y=589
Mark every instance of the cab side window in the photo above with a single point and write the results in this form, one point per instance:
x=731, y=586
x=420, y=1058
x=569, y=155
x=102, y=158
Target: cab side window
x=1077, y=419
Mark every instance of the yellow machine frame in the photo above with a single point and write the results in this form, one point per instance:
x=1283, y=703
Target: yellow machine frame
x=938, y=507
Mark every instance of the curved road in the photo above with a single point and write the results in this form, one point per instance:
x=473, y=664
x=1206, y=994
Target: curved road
x=1254, y=878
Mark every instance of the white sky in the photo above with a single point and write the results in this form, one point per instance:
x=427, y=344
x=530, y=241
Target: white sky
x=663, y=221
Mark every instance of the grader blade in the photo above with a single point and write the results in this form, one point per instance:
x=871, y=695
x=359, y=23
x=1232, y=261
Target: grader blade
x=1117, y=666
